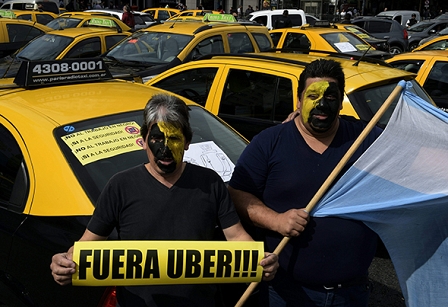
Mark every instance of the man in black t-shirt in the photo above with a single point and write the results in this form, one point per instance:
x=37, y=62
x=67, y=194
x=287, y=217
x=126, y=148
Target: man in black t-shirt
x=412, y=21
x=165, y=199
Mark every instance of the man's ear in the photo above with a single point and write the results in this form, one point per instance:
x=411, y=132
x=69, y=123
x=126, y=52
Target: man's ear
x=187, y=145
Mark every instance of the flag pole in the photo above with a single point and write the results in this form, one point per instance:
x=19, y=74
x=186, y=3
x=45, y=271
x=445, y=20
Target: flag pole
x=397, y=90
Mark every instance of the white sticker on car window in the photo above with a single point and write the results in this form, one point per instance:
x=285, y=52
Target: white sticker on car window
x=345, y=47
x=208, y=154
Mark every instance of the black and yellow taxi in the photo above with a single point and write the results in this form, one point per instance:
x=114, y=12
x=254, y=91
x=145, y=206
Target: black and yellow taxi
x=436, y=43
x=41, y=17
x=65, y=130
x=431, y=68
x=151, y=51
x=15, y=33
x=378, y=43
x=161, y=14
x=323, y=36
x=83, y=20
x=194, y=13
x=253, y=91
x=101, y=35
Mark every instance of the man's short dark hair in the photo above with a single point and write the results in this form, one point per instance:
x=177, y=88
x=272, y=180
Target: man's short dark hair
x=320, y=69
x=285, y=13
x=413, y=15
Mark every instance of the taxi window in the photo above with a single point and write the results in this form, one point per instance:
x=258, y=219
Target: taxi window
x=44, y=18
x=63, y=22
x=163, y=15
x=208, y=46
x=408, y=65
x=437, y=84
x=440, y=45
x=22, y=33
x=276, y=37
x=261, y=20
x=193, y=84
x=262, y=41
x=297, y=41
x=87, y=48
x=240, y=43
x=345, y=42
x=14, y=186
x=112, y=40
x=53, y=45
x=25, y=17
x=367, y=102
x=257, y=95
x=111, y=158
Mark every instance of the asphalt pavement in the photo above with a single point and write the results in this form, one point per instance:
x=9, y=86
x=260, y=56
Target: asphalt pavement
x=386, y=290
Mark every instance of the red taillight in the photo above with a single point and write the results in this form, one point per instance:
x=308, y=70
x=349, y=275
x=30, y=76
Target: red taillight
x=109, y=298
x=405, y=34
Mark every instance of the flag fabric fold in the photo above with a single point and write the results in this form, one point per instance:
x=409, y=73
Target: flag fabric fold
x=399, y=188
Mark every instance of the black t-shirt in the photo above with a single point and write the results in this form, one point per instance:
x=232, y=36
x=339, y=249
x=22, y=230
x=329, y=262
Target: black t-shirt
x=141, y=208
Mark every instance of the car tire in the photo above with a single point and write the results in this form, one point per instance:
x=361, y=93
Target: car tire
x=395, y=50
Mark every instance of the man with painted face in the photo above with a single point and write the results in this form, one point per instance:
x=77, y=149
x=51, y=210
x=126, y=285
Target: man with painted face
x=326, y=261
x=165, y=199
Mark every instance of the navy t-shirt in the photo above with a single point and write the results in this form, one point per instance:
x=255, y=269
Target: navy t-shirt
x=281, y=169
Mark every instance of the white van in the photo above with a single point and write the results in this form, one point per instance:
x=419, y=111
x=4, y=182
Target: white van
x=268, y=18
x=401, y=16
x=44, y=5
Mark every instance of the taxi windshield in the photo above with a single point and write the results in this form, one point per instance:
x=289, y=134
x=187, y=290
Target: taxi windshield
x=98, y=148
x=150, y=47
x=421, y=26
x=346, y=42
x=63, y=22
x=44, y=48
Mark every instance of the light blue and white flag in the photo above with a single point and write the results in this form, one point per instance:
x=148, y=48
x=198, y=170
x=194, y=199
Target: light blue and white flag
x=399, y=188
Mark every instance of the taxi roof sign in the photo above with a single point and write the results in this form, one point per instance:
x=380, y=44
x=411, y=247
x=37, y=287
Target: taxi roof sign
x=219, y=17
x=7, y=14
x=100, y=22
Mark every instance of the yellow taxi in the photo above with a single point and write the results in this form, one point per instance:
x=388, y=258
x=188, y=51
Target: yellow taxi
x=323, y=36
x=431, y=68
x=436, y=43
x=65, y=130
x=378, y=43
x=84, y=42
x=194, y=13
x=41, y=17
x=83, y=20
x=153, y=50
x=252, y=91
x=15, y=33
x=161, y=14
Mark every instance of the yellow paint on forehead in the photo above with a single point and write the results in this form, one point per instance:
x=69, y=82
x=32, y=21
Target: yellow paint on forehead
x=315, y=89
x=174, y=140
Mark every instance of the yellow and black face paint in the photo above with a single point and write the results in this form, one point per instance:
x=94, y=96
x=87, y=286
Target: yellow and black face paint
x=167, y=144
x=321, y=103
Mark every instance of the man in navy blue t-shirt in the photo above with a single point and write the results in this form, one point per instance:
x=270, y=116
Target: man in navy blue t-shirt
x=326, y=261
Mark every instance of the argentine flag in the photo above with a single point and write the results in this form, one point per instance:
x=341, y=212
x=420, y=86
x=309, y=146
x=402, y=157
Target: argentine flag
x=399, y=188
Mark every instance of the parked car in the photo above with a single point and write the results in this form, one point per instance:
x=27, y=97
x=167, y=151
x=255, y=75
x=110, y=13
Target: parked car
x=395, y=33
x=434, y=36
x=252, y=92
x=401, y=16
x=311, y=19
x=41, y=17
x=324, y=37
x=161, y=14
x=268, y=17
x=85, y=20
x=423, y=30
x=431, y=68
x=69, y=43
x=142, y=20
x=15, y=33
x=437, y=43
x=34, y=5
x=151, y=51
x=49, y=183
